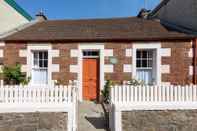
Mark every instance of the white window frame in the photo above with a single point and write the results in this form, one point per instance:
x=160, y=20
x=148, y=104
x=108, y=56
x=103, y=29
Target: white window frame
x=33, y=67
x=39, y=47
x=154, y=46
x=147, y=60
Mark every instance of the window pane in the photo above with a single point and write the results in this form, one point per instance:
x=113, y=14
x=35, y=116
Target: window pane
x=40, y=63
x=45, y=63
x=90, y=53
x=150, y=63
x=45, y=55
x=36, y=63
x=40, y=76
x=150, y=54
x=36, y=55
x=138, y=54
x=144, y=54
x=144, y=63
x=138, y=63
x=40, y=55
x=145, y=76
x=95, y=53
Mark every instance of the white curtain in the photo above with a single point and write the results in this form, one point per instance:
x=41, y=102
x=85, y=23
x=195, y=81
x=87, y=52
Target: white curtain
x=144, y=75
x=40, y=76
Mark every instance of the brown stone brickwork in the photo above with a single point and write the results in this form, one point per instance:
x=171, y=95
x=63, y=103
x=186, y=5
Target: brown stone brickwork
x=166, y=120
x=179, y=62
x=119, y=52
x=33, y=121
x=64, y=61
x=11, y=53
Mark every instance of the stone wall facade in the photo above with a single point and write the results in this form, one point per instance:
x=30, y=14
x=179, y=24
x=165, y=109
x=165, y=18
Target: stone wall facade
x=176, y=60
x=177, y=120
x=33, y=122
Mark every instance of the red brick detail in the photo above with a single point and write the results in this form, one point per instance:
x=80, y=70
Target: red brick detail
x=64, y=61
x=119, y=51
x=179, y=62
x=11, y=53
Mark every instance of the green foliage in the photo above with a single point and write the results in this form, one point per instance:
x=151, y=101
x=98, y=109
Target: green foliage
x=106, y=91
x=13, y=75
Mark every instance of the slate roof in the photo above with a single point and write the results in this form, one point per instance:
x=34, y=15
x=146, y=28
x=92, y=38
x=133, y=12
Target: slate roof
x=116, y=29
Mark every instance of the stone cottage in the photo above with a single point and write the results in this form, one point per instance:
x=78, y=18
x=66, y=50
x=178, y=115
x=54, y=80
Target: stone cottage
x=94, y=50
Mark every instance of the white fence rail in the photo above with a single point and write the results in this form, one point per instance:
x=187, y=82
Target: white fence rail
x=41, y=99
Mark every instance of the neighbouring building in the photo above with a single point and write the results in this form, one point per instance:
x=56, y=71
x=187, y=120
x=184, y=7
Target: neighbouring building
x=12, y=16
x=94, y=50
x=181, y=14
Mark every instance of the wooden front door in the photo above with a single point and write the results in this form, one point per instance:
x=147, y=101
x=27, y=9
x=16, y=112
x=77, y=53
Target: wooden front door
x=90, y=78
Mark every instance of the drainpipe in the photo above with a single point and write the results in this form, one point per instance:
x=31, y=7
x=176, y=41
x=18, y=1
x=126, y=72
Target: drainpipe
x=195, y=58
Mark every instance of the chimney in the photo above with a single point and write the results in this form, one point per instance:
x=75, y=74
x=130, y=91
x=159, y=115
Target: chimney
x=40, y=16
x=143, y=13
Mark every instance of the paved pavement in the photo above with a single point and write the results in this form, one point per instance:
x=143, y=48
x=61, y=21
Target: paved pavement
x=91, y=117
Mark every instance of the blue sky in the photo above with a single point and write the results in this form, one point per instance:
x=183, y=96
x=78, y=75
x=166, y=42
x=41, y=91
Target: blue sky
x=81, y=9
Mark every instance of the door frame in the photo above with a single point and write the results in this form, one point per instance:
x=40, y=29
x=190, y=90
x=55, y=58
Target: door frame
x=92, y=46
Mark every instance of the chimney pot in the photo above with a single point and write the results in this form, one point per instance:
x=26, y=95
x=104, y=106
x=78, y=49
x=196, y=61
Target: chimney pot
x=40, y=16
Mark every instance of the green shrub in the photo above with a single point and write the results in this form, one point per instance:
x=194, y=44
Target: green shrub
x=13, y=75
x=106, y=91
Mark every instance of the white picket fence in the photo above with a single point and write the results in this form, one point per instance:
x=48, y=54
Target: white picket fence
x=40, y=99
x=42, y=95
x=169, y=97
x=125, y=94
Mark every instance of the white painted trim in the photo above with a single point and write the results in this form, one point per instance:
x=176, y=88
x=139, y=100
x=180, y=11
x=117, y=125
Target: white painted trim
x=166, y=52
x=127, y=68
x=35, y=47
x=23, y=68
x=157, y=106
x=108, y=52
x=165, y=69
x=55, y=53
x=74, y=68
x=108, y=68
x=1, y=53
x=190, y=53
x=55, y=68
x=128, y=52
x=117, y=119
x=23, y=53
x=74, y=53
x=166, y=83
x=32, y=107
x=191, y=70
x=156, y=46
x=2, y=43
x=91, y=46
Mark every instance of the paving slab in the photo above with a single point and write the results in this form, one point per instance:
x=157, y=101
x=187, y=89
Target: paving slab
x=91, y=117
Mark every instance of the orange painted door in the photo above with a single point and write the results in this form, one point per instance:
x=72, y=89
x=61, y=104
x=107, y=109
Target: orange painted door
x=90, y=78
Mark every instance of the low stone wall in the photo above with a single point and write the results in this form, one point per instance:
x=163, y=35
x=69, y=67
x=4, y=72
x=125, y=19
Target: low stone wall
x=33, y=122
x=178, y=120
